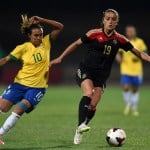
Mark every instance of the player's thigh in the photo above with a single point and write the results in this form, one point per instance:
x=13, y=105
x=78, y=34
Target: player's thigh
x=84, y=80
x=34, y=96
x=87, y=87
x=11, y=95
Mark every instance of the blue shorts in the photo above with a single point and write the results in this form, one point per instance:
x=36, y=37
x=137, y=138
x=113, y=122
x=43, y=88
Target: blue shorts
x=132, y=80
x=16, y=92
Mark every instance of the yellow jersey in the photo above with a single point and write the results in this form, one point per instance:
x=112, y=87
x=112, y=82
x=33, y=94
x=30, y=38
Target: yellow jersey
x=131, y=64
x=35, y=63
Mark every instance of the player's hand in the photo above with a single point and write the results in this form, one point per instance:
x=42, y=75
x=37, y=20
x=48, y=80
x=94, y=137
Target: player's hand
x=119, y=58
x=35, y=20
x=56, y=61
x=146, y=57
x=4, y=60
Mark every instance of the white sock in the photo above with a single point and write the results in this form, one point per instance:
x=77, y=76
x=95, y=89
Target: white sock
x=126, y=97
x=9, y=123
x=135, y=100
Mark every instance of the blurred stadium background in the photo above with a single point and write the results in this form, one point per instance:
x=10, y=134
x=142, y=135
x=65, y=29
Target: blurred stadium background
x=78, y=17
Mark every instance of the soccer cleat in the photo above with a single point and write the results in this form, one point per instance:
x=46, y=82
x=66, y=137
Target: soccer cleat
x=127, y=110
x=135, y=113
x=83, y=128
x=78, y=137
x=79, y=133
x=1, y=142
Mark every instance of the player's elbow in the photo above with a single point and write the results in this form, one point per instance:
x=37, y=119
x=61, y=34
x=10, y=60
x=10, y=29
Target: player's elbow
x=61, y=26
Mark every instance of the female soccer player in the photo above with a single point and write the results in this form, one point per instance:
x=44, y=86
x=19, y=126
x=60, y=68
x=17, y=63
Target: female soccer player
x=95, y=68
x=131, y=71
x=31, y=81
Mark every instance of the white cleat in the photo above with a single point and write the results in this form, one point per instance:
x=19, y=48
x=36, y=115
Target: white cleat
x=83, y=128
x=78, y=137
x=79, y=133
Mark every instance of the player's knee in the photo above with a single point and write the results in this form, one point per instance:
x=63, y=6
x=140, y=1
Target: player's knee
x=4, y=107
x=21, y=108
x=134, y=89
x=88, y=93
x=126, y=88
x=3, y=110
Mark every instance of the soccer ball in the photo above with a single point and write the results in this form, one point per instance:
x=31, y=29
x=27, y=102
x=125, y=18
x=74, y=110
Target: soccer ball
x=116, y=137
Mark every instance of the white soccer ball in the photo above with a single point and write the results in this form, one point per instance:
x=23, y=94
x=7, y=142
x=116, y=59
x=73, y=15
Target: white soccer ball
x=116, y=137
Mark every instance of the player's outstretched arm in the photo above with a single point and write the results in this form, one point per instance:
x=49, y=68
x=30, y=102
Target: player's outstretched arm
x=4, y=60
x=67, y=51
x=140, y=54
x=57, y=26
x=119, y=57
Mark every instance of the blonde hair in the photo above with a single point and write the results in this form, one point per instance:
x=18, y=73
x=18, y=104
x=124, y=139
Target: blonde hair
x=25, y=24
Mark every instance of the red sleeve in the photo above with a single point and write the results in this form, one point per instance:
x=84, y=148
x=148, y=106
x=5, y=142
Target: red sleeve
x=93, y=35
x=85, y=39
x=124, y=43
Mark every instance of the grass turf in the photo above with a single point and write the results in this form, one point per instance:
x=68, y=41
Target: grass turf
x=52, y=124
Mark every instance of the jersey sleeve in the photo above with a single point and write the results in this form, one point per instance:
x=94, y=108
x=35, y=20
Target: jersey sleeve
x=143, y=46
x=125, y=44
x=85, y=39
x=17, y=52
x=47, y=40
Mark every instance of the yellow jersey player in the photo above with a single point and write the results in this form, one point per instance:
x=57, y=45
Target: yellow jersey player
x=131, y=71
x=30, y=83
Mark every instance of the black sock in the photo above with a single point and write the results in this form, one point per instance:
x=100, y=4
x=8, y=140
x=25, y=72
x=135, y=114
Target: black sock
x=83, y=109
x=90, y=115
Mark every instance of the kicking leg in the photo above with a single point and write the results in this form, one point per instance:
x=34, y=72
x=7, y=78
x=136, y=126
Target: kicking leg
x=5, y=106
x=87, y=89
x=87, y=108
x=10, y=122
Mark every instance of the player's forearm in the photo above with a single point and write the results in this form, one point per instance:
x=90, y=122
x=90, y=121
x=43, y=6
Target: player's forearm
x=118, y=58
x=142, y=55
x=52, y=23
x=69, y=49
x=145, y=56
x=136, y=52
x=4, y=60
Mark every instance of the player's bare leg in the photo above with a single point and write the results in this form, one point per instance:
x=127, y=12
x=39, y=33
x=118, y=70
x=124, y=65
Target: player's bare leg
x=5, y=106
x=14, y=117
x=87, y=108
x=87, y=89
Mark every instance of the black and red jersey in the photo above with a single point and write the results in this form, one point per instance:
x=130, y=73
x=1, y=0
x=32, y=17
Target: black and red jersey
x=103, y=49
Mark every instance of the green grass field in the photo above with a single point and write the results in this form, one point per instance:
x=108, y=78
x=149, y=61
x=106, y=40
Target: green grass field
x=52, y=124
